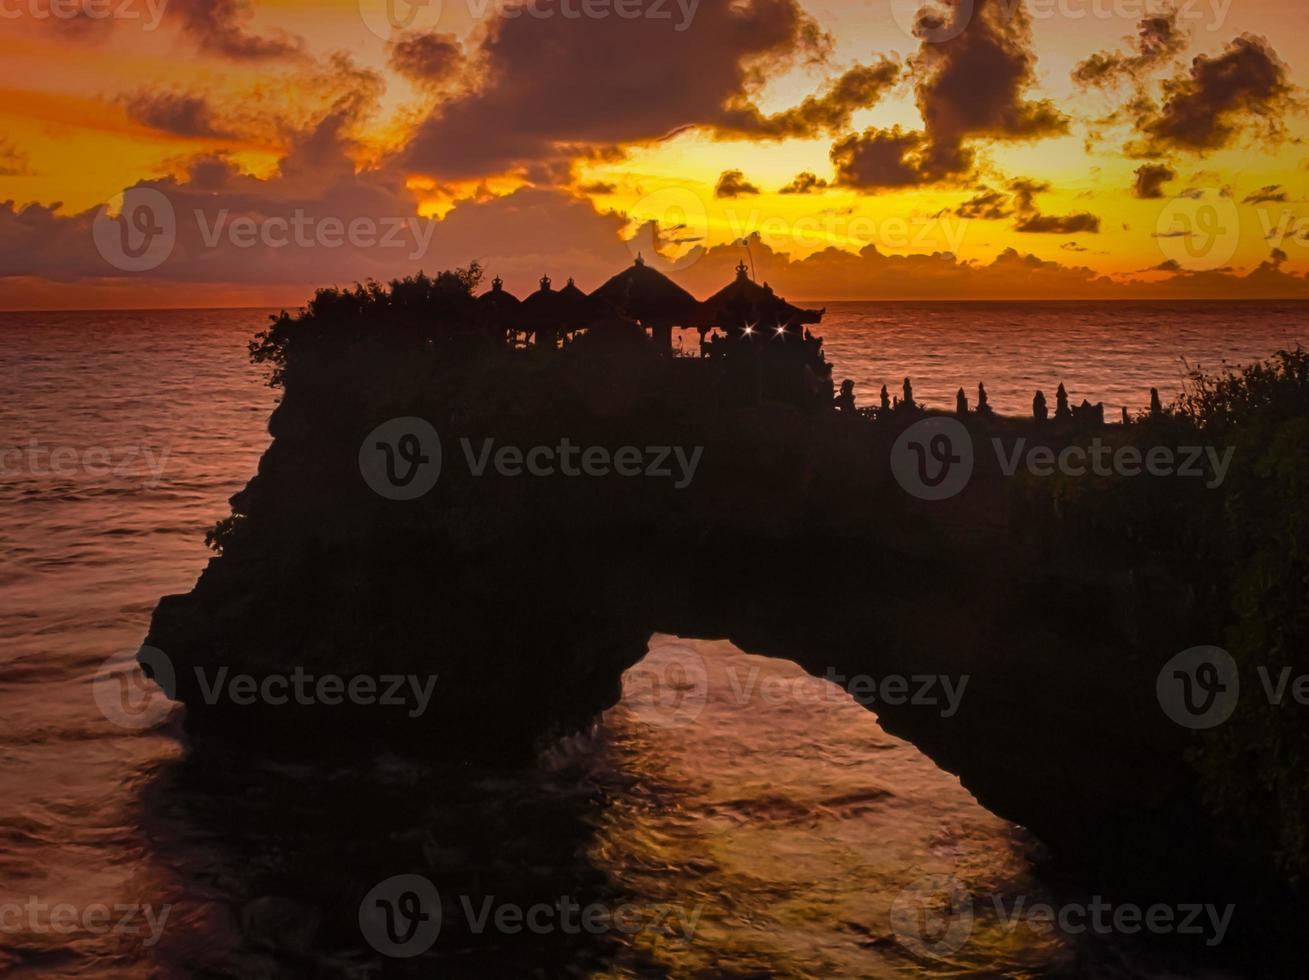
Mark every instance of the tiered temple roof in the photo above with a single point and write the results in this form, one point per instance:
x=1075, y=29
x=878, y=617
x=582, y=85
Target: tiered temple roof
x=648, y=297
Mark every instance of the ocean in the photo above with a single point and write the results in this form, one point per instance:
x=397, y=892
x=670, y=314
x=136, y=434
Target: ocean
x=772, y=835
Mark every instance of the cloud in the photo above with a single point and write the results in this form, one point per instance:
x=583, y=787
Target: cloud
x=519, y=236
x=805, y=182
x=985, y=205
x=1031, y=221
x=1157, y=41
x=179, y=113
x=1150, y=180
x=1205, y=108
x=1272, y=194
x=430, y=59
x=218, y=26
x=271, y=109
x=597, y=187
x=988, y=204
x=972, y=86
x=732, y=183
x=858, y=88
x=837, y=274
x=1063, y=224
x=552, y=88
x=239, y=229
x=879, y=159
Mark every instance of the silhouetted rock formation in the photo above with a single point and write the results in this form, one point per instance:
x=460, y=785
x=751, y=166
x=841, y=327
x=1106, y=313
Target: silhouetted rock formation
x=1039, y=410
x=528, y=596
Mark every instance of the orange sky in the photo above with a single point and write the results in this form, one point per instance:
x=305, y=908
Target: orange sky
x=1028, y=148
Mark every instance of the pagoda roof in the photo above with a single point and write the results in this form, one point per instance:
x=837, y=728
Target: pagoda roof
x=743, y=299
x=647, y=295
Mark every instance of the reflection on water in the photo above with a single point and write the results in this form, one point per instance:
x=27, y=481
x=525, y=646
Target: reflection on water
x=792, y=823
x=759, y=824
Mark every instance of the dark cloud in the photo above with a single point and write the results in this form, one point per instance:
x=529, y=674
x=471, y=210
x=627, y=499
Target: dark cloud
x=179, y=113
x=859, y=88
x=988, y=204
x=1157, y=41
x=732, y=183
x=1062, y=224
x=427, y=58
x=219, y=27
x=1031, y=221
x=972, y=86
x=1205, y=108
x=878, y=159
x=805, y=182
x=1272, y=194
x=985, y=205
x=597, y=187
x=1150, y=180
x=552, y=87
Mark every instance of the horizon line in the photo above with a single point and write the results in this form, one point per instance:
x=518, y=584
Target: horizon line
x=1125, y=301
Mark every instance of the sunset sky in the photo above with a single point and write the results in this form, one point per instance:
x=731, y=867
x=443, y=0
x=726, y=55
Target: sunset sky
x=975, y=149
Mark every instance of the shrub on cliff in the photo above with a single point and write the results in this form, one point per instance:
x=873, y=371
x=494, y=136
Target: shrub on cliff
x=1256, y=765
x=419, y=310
x=1243, y=546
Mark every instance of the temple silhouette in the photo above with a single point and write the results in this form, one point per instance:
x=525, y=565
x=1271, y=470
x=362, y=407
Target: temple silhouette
x=753, y=344
x=758, y=337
